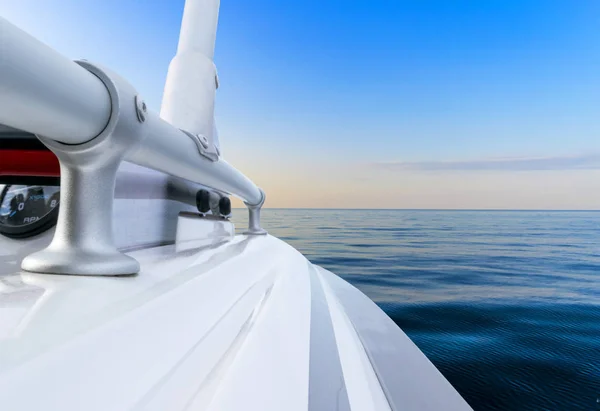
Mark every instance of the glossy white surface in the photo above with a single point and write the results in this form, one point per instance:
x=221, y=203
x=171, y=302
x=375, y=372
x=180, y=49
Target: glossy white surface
x=232, y=325
x=192, y=226
x=189, y=94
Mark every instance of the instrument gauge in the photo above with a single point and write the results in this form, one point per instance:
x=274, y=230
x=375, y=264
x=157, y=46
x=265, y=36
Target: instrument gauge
x=27, y=210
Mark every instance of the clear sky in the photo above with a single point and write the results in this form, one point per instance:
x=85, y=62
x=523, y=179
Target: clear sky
x=373, y=103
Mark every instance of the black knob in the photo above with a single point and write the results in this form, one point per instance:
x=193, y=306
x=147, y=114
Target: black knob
x=225, y=206
x=203, y=201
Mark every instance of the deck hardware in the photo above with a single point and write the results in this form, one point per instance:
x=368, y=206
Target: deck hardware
x=99, y=122
x=225, y=206
x=203, y=140
x=83, y=241
x=203, y=201
x=140, y=109
x=204, y=147
x=254, y=227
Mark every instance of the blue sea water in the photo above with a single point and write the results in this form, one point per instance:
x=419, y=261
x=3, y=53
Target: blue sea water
x=505, y=303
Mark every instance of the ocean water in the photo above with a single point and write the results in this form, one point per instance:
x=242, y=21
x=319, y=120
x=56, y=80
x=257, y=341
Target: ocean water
x=506, y=304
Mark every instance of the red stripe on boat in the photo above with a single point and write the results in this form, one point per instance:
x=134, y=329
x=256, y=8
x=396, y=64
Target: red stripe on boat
x=35, y=163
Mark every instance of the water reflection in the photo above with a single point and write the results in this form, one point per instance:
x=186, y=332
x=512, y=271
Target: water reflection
x=505, y=304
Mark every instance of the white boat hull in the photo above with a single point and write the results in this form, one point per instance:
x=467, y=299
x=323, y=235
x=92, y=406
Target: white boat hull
x=240, y=324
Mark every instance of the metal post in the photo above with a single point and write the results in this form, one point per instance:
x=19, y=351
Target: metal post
x=189, y=94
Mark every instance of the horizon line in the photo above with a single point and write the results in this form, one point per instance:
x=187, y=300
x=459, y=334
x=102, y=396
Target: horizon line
x=426, y=209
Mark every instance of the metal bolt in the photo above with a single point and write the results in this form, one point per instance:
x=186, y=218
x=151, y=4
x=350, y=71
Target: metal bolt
x=203, y=140
x=140, y=109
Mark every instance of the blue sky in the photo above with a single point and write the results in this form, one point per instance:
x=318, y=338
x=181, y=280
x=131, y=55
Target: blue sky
x=417, y=104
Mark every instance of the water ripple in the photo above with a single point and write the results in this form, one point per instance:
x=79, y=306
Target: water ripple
x=506, y=304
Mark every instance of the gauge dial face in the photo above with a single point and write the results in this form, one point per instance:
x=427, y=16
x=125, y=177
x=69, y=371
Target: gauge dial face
x=28, y=210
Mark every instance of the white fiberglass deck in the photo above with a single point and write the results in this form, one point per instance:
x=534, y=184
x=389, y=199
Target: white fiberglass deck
x=245, y=324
